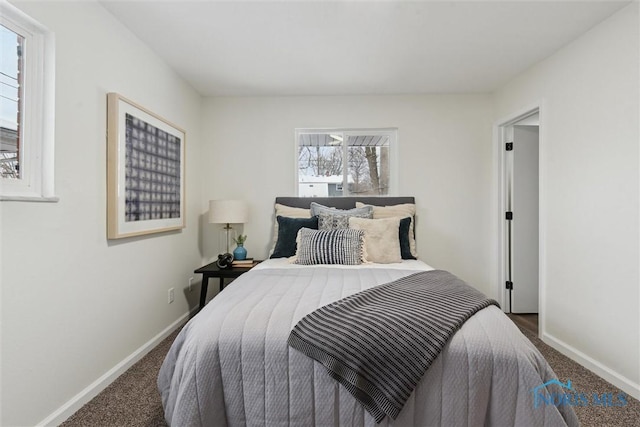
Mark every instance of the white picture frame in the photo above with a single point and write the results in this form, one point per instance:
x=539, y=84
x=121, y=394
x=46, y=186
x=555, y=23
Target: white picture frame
x=145, y=171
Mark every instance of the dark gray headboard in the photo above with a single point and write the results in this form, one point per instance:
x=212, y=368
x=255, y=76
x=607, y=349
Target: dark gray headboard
x=344, y=202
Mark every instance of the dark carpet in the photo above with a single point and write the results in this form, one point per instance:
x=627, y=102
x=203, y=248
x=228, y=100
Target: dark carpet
x=132, y=400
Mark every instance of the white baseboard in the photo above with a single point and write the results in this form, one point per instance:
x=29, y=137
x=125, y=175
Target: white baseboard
x=82, y=398
x=620, y=381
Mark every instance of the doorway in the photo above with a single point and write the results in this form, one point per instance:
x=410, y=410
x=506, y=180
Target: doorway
x=520, y=207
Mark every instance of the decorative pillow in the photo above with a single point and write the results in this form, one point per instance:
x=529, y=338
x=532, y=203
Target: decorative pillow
x=336, y=220
x=317, y=209
x=402, y=211
x=381, y=241
x=342, y=246
x=332, y=218
x=288, y=231
x=290, y=212
x=405, y=246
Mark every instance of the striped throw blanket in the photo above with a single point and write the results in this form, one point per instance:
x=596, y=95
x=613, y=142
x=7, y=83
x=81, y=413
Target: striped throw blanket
x=378, y=343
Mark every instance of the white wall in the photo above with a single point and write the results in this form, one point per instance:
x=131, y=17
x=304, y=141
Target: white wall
x=444, y=161
x=73, y=304
x=589, y=160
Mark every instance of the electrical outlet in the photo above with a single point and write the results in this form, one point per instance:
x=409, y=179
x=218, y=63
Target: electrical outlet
x=190, y=284
x=171, y=295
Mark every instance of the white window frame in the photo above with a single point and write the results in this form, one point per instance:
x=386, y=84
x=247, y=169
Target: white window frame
x=36, y=156
x=346, y=132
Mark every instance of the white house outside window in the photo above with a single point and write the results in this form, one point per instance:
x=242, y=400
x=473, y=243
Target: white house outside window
x=26, y=107
x=341, y=162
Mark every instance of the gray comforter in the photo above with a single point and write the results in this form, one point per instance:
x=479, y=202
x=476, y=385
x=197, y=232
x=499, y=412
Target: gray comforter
x=231, y=365
x=379, y=343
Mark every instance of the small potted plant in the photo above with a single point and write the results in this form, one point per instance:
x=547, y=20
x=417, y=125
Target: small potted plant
x=240, y=252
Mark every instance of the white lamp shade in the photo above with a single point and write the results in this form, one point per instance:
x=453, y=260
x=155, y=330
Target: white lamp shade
x=228, y=212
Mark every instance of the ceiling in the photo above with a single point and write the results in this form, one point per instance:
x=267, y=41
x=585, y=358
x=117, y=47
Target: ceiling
x=355, y=47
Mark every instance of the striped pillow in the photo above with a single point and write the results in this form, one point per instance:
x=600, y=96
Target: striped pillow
x=342, y=246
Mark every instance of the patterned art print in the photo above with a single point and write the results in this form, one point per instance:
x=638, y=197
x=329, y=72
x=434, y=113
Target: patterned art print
x=152, y=172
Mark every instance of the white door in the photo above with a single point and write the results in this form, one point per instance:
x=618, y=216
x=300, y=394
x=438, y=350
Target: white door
x=524, y=225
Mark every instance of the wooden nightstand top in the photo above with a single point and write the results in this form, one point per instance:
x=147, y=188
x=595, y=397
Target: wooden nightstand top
x=212, y=270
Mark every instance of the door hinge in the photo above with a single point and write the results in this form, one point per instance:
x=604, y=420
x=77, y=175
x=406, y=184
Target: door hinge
x=509, y=146
x=509, y=216
x=509, y=285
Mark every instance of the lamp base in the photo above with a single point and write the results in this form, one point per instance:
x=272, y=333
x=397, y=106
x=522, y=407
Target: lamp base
x=225, y=239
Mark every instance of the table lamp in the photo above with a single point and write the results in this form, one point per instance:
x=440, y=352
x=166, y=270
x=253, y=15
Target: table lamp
x=228, y=212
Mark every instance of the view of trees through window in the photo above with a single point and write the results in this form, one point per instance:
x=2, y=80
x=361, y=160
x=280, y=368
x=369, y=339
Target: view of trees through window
x=340, y=163
x=10, y=101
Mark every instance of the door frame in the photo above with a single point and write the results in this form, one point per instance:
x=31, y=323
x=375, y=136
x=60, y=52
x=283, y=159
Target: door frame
x=500, y=139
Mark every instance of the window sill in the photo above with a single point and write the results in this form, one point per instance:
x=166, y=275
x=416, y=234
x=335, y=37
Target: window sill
x=51, y=199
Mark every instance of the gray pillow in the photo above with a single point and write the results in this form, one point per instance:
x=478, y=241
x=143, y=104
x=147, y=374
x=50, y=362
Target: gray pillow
x=332, y=218
x=317, y=208
x=343, y=246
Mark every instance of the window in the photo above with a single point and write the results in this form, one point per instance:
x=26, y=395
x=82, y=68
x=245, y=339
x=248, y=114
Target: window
x=26, y=107
x=342, y=162
x=11, y=85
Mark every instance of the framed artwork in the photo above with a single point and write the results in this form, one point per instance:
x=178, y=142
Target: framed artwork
x=145, y=171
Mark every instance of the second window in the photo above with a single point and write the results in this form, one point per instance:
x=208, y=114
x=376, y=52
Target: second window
x=342, y=162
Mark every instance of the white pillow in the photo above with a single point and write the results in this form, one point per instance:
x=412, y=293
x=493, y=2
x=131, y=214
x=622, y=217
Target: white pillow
x=288, y=211
x=402, y=210
x=381, y=241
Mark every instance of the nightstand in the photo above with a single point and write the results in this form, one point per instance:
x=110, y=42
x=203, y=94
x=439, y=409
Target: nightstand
x=212, y=270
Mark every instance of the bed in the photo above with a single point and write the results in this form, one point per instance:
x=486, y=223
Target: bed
x=231, y=364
